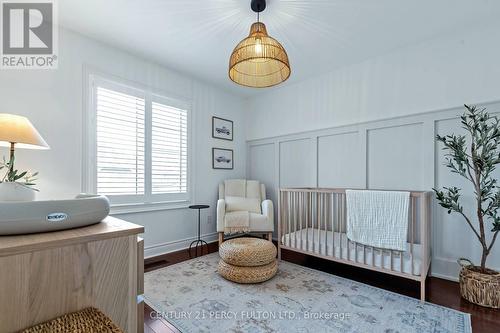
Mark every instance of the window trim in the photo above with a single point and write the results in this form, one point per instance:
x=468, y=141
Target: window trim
x=123, y=204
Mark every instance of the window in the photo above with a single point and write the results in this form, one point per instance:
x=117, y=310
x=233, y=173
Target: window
x=138, y=145
x=168, y=149
x=120, y=143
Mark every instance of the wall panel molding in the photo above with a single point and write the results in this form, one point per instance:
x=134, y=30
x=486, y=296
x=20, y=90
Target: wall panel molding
x=418, y=168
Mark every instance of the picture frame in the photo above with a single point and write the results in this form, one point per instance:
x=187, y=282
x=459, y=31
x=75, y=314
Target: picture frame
x=222, y=158
x=222, y=128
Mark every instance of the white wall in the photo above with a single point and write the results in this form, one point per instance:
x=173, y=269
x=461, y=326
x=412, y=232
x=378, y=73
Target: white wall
x=53, y=100
x=329, y=130
x=441, y=73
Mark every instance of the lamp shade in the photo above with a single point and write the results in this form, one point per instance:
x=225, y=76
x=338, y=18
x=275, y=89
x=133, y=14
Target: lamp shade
x=259, y=60
x=19, y=130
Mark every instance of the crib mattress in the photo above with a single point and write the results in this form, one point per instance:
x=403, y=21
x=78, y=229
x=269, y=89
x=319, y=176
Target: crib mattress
x=313, y=240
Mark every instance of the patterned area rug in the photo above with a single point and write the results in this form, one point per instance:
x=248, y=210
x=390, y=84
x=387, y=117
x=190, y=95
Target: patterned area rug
x=194, y=298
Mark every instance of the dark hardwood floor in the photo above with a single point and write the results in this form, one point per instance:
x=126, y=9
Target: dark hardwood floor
x=439, y=291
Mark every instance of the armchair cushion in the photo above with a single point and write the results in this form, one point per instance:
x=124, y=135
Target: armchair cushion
x=239, y=203
x=235, y=187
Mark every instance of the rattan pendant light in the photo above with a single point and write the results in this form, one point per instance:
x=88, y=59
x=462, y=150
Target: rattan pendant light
x=259, y=60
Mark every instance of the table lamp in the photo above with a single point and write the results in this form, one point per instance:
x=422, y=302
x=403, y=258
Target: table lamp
x=18, y=132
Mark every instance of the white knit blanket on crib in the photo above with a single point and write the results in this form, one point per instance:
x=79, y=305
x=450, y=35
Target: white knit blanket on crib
x=378, y=218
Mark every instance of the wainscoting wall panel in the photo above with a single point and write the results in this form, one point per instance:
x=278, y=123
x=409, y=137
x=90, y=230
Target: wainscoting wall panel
x=298, y=153
x=402, y=147
x=261, y=165
x=397, y=153
x=340, y=160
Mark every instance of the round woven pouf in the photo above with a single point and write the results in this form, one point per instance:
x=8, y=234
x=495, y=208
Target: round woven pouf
x=247, y=251
x=251, y=274
x=247, y=260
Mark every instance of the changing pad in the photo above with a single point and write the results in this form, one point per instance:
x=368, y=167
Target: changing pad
x=41, y=216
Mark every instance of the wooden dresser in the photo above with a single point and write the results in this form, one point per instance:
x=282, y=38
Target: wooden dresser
x=43, y=276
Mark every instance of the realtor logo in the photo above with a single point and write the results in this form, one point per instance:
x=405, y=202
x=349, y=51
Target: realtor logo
x=29, y=34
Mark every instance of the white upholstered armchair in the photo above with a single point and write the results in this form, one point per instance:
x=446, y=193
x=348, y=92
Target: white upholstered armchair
x=242, y=207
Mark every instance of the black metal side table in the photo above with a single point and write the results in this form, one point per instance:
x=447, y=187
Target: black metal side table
x=199, y=242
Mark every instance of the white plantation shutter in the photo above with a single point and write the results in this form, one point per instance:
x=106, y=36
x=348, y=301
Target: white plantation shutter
x=139, y=154
x=120, y=143
x=168, y=149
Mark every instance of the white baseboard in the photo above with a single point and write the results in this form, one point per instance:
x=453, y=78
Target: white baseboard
x=445, y=277
x=172, y=246
x=444, y=268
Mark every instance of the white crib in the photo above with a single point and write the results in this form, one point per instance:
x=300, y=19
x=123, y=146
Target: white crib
x=313, y=221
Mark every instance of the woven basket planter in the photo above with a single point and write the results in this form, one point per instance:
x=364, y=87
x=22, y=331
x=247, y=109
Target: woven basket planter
x=479, y=288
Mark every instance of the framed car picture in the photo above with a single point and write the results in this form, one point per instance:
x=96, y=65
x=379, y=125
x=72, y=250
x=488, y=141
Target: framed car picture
x=222, y=129
x=222, y=158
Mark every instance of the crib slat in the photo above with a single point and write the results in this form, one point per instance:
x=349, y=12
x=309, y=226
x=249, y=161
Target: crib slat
x=325, y=201
x=289, y=219
x=373, y=256
x=295, y=213
x=312, y=222
x=283, y=216
x=299, y=217
x=280, y=216
x=392, y=266
x=320, y=217
x=333, y=226
x=325, y=218
x=318, y=220
x=316, y=213
x=355, y=247
x=304, y=218
x=401, y=262
x=345, y=220
x=309, y=218
x=342, y=222
x=339, y=223
x=364, y=254
x=319, y=205
x=413, y=218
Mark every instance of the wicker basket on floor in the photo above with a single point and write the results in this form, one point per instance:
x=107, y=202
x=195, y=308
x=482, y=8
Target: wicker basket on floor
x=479, y=288
x=89, y=320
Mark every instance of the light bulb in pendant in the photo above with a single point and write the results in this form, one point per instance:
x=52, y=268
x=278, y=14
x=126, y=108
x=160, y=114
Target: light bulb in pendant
x=258, y=46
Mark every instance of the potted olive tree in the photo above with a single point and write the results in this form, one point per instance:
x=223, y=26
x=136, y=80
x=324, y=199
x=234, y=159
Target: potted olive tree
x=475, y=157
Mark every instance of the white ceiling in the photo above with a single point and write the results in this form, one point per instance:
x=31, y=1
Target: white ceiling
x=197, y=36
